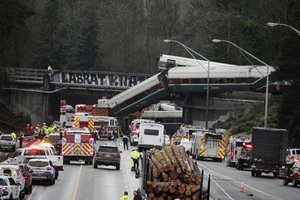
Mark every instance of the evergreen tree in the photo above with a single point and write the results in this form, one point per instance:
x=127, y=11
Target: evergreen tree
x=49, y=43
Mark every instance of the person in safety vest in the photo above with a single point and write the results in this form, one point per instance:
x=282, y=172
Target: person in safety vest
x=134, y=155
x=125, y=197
x=14, y=135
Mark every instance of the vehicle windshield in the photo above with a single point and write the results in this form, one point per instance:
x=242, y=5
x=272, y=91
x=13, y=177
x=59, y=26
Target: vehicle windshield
x=38, y=163
x=7, y=138
x=53, y=138
x=2, y=182
x=34, y=152
x=108, y=149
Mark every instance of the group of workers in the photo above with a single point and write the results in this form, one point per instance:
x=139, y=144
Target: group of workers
x=21, y=137
x=136, y=195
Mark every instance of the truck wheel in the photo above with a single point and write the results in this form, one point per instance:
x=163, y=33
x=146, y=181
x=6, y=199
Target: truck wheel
x=118, y=167
x=193, y=156
x=66, y=162
x=285, y=182
x=294, y=182
x=253, y=173
x=56, y=174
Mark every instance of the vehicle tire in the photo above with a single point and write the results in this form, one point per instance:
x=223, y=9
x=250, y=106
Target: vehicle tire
x=22, y=195
x=275, y=174
x=95, y=165
x=285, y=182
x=118, y=167
x=56, y=174
x=10, y=197
x=53, y=181
x=294, y=182
x=253, y=173
x=30, y=190
x=27, y=190
x=66, y=162
x=193, y=156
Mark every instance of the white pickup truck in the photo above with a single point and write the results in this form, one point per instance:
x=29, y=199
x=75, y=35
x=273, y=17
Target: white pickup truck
x=23, y=155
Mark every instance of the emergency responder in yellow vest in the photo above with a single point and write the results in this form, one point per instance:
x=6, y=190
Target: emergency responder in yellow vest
x=21, y=137
x=134, y=155
x=14, y=135
x=47, y=131
x=125, y=197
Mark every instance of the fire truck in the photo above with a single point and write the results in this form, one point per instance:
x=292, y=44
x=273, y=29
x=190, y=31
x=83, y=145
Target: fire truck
x=239, y=152
x=78, y=145
x=208, y=145
x=105, y=126
x=95, y=117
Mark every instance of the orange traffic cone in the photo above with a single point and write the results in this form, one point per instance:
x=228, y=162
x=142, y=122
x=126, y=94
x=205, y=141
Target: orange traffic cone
x=242, y=189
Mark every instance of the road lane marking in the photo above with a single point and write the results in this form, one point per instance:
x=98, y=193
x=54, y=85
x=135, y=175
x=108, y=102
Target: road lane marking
x=77, y=183
x=239, y=182
x=29, y=198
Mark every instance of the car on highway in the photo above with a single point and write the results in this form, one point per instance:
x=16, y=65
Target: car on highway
x=14, y=172
x=293, y=175
x=27, y=174
x=9, y=188
x=107, y=154
x=42, y=170
x=7, y=142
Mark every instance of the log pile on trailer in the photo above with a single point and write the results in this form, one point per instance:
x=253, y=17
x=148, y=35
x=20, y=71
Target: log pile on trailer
x=171, y=174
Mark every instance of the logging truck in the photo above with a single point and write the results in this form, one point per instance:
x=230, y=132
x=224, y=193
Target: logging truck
x=170, y=174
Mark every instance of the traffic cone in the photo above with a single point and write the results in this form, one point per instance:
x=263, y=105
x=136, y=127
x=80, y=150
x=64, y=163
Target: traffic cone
x=242, y=189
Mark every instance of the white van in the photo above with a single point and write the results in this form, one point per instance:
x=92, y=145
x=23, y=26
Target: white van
x=151, y=136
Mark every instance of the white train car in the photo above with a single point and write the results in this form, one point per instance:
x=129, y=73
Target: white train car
x=196, y=71
x=148, y=84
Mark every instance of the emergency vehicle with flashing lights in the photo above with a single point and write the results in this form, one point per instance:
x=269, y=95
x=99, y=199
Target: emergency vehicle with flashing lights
x=208, y=145
x=293, y=155
x=135, y=130
x=151, y=135
x=23, y=155
x=106, y=126
x=78, y=145
x=239, y=152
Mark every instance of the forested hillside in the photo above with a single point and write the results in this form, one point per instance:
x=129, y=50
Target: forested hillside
x=122, y=35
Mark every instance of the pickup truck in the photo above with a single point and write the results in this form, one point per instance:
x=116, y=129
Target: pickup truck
x=23, y=155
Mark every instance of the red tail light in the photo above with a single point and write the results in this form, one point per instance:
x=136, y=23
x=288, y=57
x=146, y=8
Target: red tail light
x=26, y=179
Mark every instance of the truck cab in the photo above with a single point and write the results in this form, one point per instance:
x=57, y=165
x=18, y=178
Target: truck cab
x=78, y=145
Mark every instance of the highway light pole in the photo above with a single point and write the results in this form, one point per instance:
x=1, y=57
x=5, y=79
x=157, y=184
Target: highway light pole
x=191, y=51
x=267, y=79
x=279, y=24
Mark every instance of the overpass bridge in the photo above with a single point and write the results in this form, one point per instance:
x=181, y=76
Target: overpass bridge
x=185, y=82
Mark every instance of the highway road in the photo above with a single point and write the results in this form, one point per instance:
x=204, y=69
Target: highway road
x=226, y=184
x=83, y=182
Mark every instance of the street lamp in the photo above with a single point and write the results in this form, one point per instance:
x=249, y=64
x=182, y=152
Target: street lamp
x=267, y=79
x=191, y=51
x=279, y=24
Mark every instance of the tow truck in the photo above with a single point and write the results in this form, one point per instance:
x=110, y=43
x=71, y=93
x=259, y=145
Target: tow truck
x=239, y=153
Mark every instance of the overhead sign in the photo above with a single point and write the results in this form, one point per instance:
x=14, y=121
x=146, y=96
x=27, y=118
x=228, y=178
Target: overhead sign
x=101, y=79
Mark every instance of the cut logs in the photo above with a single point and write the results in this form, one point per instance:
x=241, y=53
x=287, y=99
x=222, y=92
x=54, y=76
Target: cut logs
x=171, y=174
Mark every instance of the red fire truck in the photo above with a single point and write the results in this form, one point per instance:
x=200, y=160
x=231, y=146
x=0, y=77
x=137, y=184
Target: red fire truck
x=78, y=145
x=239, y=152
